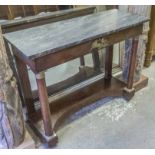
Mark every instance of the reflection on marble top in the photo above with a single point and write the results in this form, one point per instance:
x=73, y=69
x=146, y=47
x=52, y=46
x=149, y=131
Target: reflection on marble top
x=52, y=37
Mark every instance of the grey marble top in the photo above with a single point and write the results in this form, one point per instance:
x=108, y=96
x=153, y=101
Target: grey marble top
x=49, y=38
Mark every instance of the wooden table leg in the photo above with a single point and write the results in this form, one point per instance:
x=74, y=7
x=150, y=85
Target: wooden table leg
x=82, y=61
x=10, y=57
x=108, y=62
x=96, y=60
x=129, y=90
x=43, y=97
x=50, y=137
x=25, y=86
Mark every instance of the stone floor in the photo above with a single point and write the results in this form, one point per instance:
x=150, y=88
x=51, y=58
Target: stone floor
x=114, y=123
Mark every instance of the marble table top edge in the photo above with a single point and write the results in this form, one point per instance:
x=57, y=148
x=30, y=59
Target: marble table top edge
x=77, y=38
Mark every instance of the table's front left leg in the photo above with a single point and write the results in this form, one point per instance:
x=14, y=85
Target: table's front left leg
x=129, y=91
x=82, y=61
x=45, y=109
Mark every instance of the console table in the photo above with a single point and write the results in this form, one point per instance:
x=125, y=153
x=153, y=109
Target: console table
x=49, y=45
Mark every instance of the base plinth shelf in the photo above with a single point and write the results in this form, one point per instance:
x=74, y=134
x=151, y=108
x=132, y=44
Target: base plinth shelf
x=67, y=105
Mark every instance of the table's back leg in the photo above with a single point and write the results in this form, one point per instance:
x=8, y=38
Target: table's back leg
x=129, y=90
x=82, y=61
x=25, y=86
x=108, y=62
x=96, y=60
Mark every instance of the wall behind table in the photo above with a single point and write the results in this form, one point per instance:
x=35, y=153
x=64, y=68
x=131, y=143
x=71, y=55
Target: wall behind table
x=14, y=11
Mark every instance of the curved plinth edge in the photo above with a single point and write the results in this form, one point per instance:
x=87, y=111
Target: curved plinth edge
x=68, y=111
x=65, y=106
x=62, y=108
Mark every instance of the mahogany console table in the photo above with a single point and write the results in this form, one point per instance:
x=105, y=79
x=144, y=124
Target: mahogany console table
x=49, y=45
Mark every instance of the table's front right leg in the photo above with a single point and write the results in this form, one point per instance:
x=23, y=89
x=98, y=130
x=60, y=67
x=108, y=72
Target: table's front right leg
x=129, y=90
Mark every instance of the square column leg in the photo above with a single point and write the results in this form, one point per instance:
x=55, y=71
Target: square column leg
x=25, y=86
